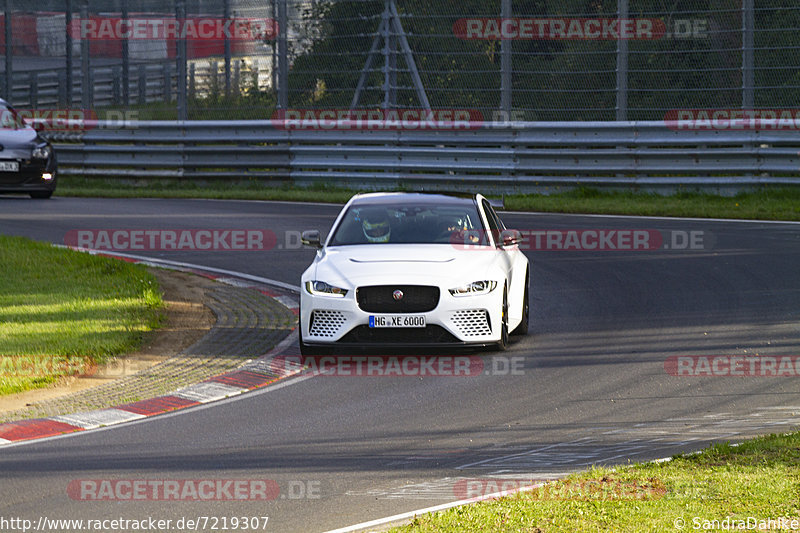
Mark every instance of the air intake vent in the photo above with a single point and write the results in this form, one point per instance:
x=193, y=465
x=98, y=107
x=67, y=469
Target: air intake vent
x=325, y=323
x=472, y=322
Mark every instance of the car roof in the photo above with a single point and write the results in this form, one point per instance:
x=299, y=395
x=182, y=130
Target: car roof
x=412, y=198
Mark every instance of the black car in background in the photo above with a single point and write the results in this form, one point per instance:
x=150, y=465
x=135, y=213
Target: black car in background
x=27, y=161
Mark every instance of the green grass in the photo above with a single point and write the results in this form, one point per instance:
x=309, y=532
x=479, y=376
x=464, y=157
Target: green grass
x=761, y=204
x=758, y=479
x=252, y=189
x=62, y=311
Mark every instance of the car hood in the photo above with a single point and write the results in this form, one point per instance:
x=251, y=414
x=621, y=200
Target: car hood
x=17, y=144
x=403, y=263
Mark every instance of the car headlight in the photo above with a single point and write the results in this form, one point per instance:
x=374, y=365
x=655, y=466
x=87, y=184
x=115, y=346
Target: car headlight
x=41, y=152
x=320, y=288
x=475, y=288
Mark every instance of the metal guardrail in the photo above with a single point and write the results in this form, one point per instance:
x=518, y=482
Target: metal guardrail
x=518, y=156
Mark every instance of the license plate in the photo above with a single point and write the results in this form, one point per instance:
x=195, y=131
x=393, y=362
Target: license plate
x=397, y=321
x=9, y=166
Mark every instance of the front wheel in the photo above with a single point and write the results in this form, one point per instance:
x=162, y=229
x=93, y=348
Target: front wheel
x=522, y=328
x=502, y=344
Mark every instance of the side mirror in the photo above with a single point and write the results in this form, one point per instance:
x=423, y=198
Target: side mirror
x=311, y=238
x=510, y=237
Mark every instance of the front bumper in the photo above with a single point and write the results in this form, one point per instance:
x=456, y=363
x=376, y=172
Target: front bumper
x=29, y=178
x=456, y=321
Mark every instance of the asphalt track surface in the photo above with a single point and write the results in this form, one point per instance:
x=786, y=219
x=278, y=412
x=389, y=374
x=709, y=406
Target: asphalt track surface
x=590, y=384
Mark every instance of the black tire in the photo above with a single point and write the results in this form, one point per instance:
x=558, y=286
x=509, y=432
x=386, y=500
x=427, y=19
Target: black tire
x=522, y=328
x=502, y=344
x=41, y=195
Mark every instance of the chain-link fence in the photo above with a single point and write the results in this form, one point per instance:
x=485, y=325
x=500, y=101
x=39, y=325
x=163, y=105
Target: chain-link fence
x=524, y=59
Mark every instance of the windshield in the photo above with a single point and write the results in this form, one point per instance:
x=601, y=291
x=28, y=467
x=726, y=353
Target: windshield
x=410, y=224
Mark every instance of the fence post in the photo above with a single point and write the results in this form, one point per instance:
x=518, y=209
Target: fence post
x=622, y=64
x=142, y=84
x=273, y=71
x=34, y=89
x=167, y=82
x=8, y=86
x=69, y=67
x=62, y=89
x=506, y=65
x=192, y=81
x=212, y=85
x=389, y=59
x=126, y=62
x=116, y=85
x=227, y=16
x=236, y=73
x=180, y=14
x=748, y=54
x=283, y=56
x=86, y=82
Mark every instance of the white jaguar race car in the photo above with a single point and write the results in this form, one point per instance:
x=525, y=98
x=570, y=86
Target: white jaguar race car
x=414, y=269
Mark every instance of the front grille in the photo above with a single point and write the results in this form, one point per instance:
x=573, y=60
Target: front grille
x=380, y=299
x=472, y=322
x=428, y=335
x=325, y=323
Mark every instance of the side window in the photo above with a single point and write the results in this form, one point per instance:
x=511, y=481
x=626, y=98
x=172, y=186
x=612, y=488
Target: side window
x=499, y=222
x=495, y=226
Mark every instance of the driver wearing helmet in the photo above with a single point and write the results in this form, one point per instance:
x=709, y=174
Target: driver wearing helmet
x=457, y=231
x=376, y=227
